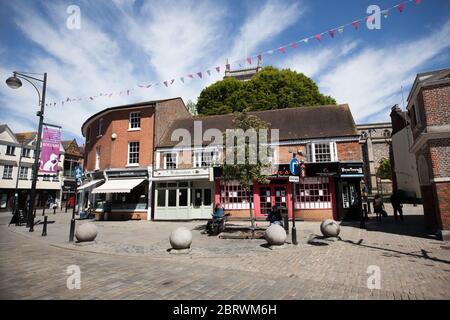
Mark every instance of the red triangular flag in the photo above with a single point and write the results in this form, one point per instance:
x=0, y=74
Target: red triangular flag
x=332, y=33
x=218, y=69
x=294, y=45
x=249, y=60
x=355, y=24
x=199, y=74
x=282, y=50
x=401, y=7
x=318, y=37
x=191, y=76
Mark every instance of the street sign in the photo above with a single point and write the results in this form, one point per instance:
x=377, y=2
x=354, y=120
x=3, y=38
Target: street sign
x=295, y=179
x=294, y=166
x=78, y=172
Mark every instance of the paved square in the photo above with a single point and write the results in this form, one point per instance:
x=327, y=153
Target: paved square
x=130, y=261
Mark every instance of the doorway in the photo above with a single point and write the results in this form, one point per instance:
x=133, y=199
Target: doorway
x=272, y=195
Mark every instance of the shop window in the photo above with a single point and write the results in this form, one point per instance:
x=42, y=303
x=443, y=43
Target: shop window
x=313, y=193
x=183, y=197
x=23, y=173
x=7, y=172
x=322, y=152
x=10, y=150
x=233, y=196
x=207, y=197
x=133, y=153
x=46, y=178
x=161, y=198
x=56, y=178
x=135, y=120
x=172, y=198
x=170, y=161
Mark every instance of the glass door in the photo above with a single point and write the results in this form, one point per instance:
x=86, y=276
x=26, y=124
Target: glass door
x=265, y=200
x=280, y=197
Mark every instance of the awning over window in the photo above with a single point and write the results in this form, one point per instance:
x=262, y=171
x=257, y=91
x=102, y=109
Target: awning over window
x=118, y=186
x=89, y=184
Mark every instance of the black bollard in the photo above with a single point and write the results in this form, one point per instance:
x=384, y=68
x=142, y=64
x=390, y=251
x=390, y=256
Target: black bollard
x=54, y=210
x=44, y=230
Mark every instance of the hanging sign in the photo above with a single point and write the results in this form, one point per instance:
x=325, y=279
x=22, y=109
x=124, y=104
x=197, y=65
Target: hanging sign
x=50, y=150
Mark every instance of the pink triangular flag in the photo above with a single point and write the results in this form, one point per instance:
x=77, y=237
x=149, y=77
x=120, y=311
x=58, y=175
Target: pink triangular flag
x=191, y=76
x=355, y=24
x=249, y=60
x=369, y=18
x=218, y=69
x=401, y=7
x=293, y=45
x=318, y=37
x=199, y=74
x=282, y=50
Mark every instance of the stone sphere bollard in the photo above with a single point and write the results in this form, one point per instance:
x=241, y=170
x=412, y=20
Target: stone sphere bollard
x=275, y=235
x=330, y=228
x=86, y=232
x=181, y=238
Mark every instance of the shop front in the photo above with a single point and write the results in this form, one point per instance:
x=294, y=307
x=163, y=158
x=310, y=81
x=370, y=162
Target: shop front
x=124, y=195
x=183, y=194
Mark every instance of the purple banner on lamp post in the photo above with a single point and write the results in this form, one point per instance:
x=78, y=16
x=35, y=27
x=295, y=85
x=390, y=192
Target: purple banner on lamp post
x=50, y=149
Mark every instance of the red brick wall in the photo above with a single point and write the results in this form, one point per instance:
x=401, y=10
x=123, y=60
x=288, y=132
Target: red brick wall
x=437, y=105
x=348, y=151
x=285, y=157
x=114, y=153
x=443, y=195
x=440, y=157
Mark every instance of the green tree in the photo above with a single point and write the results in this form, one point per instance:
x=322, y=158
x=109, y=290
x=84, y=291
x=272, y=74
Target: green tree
x=268, y=89
x=248, y=172
x=384, y=169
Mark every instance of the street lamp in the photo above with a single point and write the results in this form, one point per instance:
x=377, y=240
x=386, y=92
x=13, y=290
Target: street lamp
x=14, y=82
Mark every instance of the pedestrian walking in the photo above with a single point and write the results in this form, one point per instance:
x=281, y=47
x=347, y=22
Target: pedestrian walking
x=378, y=207
x=397, y=205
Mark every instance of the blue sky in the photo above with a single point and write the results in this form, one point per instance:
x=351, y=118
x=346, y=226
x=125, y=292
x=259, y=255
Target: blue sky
x=124, y=43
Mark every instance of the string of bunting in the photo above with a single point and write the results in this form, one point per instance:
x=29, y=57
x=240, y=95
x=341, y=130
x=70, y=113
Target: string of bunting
x=250, y=59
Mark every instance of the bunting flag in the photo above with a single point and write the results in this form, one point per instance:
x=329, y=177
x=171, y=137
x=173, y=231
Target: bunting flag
x=331, y=32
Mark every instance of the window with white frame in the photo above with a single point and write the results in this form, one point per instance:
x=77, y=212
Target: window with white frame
x=322, y=152
x=133, y=153
x=7, y=172
x=313, y=193
x=233, y=196
x=23, y=173
x=26, y=153
x=46, y=177
x=170, y=160
x=205, y=158
x=135, y=120
x=10, y=150
x=100, y=127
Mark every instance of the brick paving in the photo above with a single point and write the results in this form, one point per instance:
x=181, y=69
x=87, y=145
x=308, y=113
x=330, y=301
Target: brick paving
x=129, y=261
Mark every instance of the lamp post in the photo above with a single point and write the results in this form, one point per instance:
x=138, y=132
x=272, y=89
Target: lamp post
x=14, y=82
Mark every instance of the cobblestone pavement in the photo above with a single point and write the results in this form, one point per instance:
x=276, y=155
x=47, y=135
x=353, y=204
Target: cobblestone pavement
x=130, y=261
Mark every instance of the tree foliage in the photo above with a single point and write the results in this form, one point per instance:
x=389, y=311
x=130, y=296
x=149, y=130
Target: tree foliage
x=268, y=89
x=384, y=169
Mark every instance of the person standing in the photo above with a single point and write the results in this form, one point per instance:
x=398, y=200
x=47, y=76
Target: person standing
x=397, y=205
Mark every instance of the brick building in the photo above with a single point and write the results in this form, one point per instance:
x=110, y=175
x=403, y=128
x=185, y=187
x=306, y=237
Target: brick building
x=429, y=113
x=119, y=155
x=188, y=180
x=73, y=157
